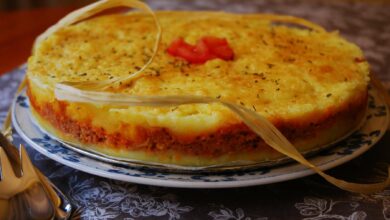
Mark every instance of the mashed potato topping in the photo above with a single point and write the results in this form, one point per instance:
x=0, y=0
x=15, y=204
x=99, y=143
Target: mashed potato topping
x=278, y=71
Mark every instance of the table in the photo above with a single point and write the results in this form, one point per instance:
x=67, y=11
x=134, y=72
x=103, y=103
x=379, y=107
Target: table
x=365, y=23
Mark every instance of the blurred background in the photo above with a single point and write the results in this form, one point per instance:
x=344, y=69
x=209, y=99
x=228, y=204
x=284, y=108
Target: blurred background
x=25, y=4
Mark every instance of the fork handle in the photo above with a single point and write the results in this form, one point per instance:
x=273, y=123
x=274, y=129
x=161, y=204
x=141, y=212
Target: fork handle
x=12, y=153
x=48, y=188
x=4, y=207
x=37, y=205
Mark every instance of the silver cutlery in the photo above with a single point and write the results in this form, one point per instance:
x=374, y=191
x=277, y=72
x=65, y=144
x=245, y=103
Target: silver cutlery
x=36, y=197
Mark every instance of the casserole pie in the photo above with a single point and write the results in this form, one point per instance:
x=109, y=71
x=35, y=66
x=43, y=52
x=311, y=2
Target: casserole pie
x=310, y=84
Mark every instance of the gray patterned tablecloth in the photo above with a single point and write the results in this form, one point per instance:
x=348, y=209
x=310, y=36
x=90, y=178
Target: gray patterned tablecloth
x=365, y=23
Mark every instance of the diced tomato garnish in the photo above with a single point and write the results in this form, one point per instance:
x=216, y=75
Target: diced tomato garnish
x=206, y=49
x=178, y=43
x=224, y=52
x=214, y=41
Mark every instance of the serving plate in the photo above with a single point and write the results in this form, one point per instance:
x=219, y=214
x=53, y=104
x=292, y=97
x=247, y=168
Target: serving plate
x=354, y=145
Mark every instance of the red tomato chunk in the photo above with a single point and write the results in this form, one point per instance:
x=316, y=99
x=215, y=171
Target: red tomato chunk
x=206, y=49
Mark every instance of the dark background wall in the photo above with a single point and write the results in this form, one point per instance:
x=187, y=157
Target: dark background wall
x=6, y=5
x=24, y=4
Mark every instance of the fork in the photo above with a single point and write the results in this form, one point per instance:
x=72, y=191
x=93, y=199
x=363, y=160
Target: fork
x=59, y=201
x=39, y=196
x=23, y=196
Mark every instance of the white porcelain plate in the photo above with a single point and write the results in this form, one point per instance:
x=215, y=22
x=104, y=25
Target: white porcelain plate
x=356, y=144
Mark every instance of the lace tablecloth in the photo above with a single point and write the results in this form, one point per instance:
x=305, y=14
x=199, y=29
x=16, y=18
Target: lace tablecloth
x=366, y=24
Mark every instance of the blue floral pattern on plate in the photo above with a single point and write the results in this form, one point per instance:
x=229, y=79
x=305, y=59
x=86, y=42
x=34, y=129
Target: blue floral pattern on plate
x=351, y=147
